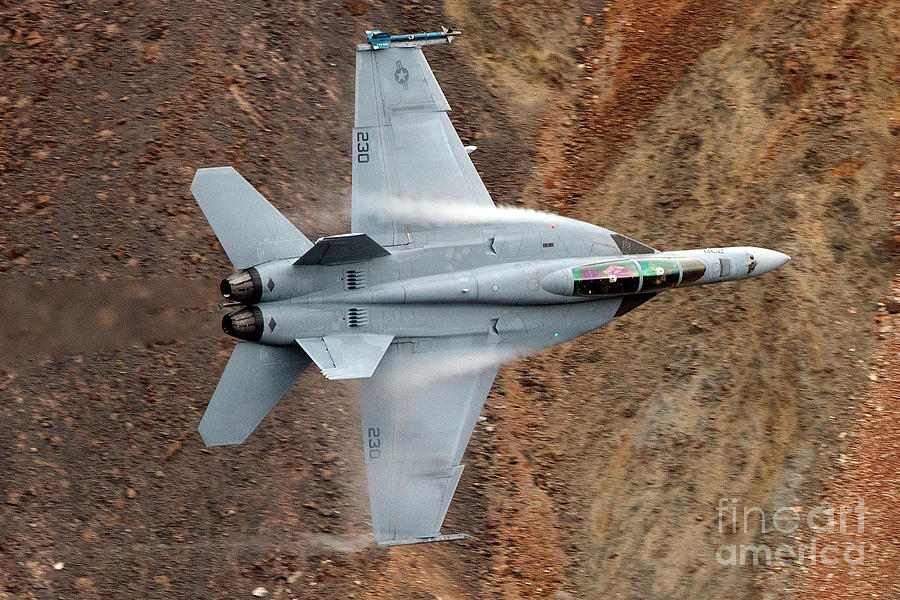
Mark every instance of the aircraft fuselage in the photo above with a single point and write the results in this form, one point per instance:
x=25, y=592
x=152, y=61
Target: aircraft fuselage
x=524, y=286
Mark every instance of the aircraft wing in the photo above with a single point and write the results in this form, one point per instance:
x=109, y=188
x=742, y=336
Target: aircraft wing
x=418, y=413
x=407, y=156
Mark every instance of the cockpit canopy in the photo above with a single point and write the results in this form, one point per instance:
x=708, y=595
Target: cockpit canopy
x=633, y=275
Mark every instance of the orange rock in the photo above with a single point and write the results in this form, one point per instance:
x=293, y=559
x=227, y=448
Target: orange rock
x=33, y=39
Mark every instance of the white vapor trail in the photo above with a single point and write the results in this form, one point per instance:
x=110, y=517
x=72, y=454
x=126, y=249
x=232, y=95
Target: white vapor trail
x=439, y=364
x=457, y=213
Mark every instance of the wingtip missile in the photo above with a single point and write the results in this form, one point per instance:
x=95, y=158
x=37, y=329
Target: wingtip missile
x=380, y=40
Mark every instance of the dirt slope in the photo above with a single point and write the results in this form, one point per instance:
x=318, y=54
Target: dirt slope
x=601, y=463
x=867, y=474
x=694, y=124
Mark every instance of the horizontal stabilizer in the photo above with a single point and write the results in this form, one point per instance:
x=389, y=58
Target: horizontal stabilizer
x=255, y=378
x=251, y=230
x=352, y=356
x=340, y=249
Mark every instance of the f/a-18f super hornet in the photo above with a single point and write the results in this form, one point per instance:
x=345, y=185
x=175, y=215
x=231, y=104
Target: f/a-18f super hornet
x=432, y=290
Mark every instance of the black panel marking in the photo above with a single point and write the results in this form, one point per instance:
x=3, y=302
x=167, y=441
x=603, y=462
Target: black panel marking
x=629, y=246
x=631, y=302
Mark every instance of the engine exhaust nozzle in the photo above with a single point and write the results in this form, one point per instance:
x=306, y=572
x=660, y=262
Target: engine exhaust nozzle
x=244, y=287
x=244, y=324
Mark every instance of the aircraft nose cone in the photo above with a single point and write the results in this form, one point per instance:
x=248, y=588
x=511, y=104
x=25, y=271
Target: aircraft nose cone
x=768, y=260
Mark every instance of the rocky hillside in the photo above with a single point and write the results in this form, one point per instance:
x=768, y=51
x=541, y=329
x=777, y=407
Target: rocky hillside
x=602, y=463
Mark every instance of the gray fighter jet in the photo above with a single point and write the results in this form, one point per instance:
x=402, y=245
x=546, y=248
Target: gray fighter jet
x=433, y=289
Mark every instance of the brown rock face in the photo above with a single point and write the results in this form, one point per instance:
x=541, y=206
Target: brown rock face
x=602, y=462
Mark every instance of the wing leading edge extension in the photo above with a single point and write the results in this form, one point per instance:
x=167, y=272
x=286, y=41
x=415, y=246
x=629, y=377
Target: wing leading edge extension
x=418, y=413
x=407, y=156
